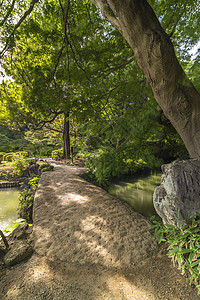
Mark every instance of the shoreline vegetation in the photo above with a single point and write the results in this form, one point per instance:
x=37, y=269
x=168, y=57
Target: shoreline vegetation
x=24, y=173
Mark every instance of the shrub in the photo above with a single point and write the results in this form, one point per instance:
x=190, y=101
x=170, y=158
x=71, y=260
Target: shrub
x=12, y=155
x=46, y=167
x=9, y=156
x=20, y=163
x=25, y=205
x=2, y=156
x=26, y=198
x=57, y=154
x=183, y=245
x=33, y=182
x=17, y=223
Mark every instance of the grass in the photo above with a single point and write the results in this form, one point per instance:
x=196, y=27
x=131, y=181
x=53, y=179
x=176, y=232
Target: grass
x=183, y=246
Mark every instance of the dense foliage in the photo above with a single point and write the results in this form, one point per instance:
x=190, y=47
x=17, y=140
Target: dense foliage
x=68, y=64
x=183, y=245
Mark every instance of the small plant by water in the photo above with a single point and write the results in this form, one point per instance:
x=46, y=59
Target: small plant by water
x=26, y=198
x=183, y=245
x=15, y=224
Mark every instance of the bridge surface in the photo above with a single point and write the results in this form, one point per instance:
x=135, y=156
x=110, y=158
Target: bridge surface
x=78, y=222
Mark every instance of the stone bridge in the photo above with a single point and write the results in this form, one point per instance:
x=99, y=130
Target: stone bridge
x=76, y=221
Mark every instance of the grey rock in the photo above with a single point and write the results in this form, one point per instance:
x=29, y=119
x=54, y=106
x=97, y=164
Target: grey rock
x=20, y=251
x=2, y=252
x=20, y=232
x=32, y=170
x=178, y=195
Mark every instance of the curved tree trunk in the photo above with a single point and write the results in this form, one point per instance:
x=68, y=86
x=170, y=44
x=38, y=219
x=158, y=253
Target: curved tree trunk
x=155, y=55
x=66, y=137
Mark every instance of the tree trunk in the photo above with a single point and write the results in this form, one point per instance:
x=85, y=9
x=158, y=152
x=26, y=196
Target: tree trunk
x=66, y=137
x=155, y=55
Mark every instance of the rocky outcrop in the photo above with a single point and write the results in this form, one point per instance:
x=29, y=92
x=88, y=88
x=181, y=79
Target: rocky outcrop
x=32, y=170
x=20, y=251
x=178, y=195
x=19, y=246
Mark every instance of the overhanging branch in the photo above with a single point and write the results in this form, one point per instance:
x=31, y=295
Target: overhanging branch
x=28, y=12
x=8, y=13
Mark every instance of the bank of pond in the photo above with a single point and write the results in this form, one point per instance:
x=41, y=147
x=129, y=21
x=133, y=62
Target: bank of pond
x=137, y=191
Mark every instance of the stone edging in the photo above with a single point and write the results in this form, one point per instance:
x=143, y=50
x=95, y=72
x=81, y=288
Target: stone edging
x=7, y=184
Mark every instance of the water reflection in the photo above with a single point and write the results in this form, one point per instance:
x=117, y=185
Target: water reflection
x=138, y=192
x=8, y=206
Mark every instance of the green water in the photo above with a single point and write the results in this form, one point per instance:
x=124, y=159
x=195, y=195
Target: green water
x=8, y=207
x=138, y=192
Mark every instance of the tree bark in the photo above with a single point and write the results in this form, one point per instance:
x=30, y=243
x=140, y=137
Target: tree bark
x=66, y=137
x=155, y=55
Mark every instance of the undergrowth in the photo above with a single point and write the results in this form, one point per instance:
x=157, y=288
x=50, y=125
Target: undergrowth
x=183, y=245
x=15, y=224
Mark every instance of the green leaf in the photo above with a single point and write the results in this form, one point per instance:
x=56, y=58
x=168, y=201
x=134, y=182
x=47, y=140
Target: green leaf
x=195, y=263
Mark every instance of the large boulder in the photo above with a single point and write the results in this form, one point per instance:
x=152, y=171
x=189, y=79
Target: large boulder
x=32, y=170
x=20, y=251
x=178, y=195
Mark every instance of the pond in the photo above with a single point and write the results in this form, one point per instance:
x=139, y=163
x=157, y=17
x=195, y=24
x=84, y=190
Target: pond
x=137, y=191
x=8, y=206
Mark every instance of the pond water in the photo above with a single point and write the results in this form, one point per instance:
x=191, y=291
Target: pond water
x=8, y=206
x=137, y=191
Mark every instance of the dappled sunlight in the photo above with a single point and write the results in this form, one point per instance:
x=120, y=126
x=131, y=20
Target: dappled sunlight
x=90, y=224
x=121, y=288
x=79, y=222
x=41, y=272
x=94, y=236
x=42, y=232
x=70, y=197
x=13, y=293
x=97, y=253
x=42, y=238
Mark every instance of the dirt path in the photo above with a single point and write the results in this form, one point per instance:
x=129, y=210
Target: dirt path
x=90, y=245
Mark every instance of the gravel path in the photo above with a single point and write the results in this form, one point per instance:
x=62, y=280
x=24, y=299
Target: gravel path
x=75, y=221
x=90, y=245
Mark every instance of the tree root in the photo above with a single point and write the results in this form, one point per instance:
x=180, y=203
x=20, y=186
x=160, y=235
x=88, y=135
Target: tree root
x=4, y=239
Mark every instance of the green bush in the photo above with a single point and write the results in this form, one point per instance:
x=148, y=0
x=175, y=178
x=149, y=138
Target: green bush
x=104, y=165
x=9, y=156
x=57, y=154
x=13, y=155
x=109, y=162
x=33, y=182
x=17, y=223
x=183, y=245
x=20, y=163
x=26, y=198
x=2, y=154
x=46, y=167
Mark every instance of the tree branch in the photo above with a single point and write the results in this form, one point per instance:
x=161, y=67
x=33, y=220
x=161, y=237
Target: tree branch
x=8, y=13
x=4, y=239
x=120, y=66
x=52, y=129
x=58, y=60
x=18, y=25
x=41, y=124
x=67, y=42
